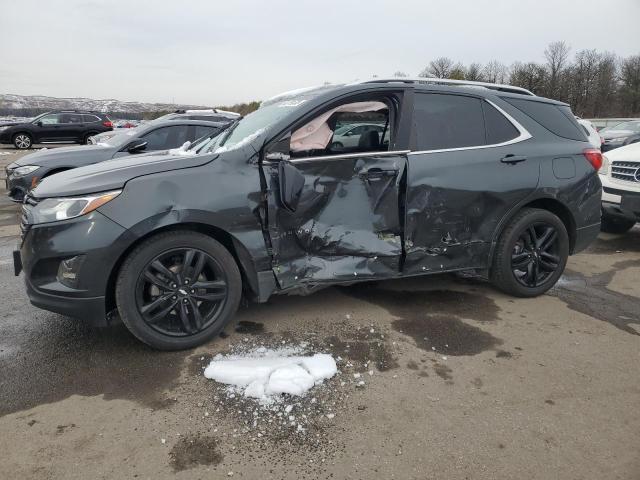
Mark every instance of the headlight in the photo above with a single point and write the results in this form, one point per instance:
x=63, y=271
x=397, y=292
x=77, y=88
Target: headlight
x=604, y=169
x=3, y=128
x=25, y=170
x=56, y=209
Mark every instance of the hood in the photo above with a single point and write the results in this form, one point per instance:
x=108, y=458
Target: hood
x=628, y=153
x=113, y=174
x=609, y=134
x=47, y=156
x=12, y=124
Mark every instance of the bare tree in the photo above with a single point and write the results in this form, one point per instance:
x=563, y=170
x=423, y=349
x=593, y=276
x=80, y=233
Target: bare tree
x=630, y=84
x=531, y=76
x=495, y=72
x=557, y=55
x=474, y=72
x=438, y=68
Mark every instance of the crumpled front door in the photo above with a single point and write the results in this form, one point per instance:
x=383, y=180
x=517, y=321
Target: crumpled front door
x=345, y=224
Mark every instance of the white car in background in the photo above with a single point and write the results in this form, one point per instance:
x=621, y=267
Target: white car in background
x=348, y=136
x=620, y=176
x=592, y=134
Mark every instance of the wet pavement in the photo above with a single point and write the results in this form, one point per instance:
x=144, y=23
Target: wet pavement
x=461, y=382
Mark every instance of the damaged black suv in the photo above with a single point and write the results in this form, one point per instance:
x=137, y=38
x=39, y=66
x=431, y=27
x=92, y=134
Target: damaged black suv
x=442, y=177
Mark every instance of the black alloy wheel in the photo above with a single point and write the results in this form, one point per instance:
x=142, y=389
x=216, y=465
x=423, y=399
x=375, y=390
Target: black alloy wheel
x=178, y=289
x=181, y=292
x=535, y=257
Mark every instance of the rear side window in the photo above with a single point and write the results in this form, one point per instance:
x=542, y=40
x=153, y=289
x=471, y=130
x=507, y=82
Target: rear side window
x=555, y=118
x=90, y=118
x=448, y=121
x=499, y=129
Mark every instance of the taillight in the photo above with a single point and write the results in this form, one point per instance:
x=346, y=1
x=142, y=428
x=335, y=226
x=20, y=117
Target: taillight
x=594, y=156
x=108, y=124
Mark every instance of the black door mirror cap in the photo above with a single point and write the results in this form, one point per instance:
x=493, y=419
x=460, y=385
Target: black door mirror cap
x=291, y=185
x=136, y=146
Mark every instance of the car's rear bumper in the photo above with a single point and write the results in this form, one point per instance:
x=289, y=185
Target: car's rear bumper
x=584, y=237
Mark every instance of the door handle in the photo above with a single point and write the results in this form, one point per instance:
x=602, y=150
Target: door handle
x=377, y=172
x=513, y=159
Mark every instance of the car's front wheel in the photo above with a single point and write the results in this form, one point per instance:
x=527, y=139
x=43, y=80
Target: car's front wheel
x=22, y=141
x=178, y=290
x=531, y=253
x=611, y=224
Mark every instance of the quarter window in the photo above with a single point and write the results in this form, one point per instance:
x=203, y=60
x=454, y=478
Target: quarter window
x=448, y=121
x=499, y=129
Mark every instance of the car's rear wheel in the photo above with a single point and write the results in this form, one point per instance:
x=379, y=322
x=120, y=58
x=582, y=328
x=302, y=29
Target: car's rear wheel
x=178, y=290
x=610, y=224
x=531, y=253
x=22, y=141
x=85, y=140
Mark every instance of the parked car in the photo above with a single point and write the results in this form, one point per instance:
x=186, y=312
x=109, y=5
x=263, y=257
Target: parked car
x=348, y=136
x=213, y=115
x=590, y=131
x=620, y=135
x=620, y=175
x=64, y=126
x=488, y=179
x=25, y=173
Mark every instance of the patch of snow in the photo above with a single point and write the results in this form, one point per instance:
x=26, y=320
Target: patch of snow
x=265, y=374
x=245, y=141
x=183, y=150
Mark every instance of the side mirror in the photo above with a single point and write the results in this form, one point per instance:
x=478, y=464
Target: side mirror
x=136, y=146
x=39, y=123
x=291, y=185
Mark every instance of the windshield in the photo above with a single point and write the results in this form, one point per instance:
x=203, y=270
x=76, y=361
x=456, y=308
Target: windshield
x=272, y=110
x=633, y=126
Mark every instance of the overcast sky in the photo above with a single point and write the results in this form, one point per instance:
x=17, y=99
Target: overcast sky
x=214, y=52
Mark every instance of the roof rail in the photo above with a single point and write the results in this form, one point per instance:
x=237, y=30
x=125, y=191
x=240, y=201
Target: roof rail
x=462, y=83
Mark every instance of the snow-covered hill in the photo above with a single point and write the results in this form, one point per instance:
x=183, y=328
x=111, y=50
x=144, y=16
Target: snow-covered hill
x=9, y=101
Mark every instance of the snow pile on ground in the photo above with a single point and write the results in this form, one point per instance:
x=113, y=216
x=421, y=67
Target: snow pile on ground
x=265, y=374
x=6, y=153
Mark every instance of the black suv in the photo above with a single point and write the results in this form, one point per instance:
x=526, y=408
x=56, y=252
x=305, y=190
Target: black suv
x=59, y=126
x=483, y=178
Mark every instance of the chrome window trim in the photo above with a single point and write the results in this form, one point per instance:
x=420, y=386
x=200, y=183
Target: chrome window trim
x=523, y=135
x=350, y=155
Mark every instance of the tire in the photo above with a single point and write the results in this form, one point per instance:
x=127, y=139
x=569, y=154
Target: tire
x=177, y=328
x=611, y=224
x=526, y=268
x=22, y=141
x=85, y=139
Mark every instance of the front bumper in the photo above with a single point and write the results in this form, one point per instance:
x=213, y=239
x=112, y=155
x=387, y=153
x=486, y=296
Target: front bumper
x=100, y=240
x=17, y=187
x=621, y=203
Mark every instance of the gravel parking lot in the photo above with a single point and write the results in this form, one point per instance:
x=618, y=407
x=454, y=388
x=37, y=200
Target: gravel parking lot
x=459, y=381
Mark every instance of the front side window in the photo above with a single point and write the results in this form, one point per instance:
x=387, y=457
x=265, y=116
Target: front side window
x=448, y=121
x=165, y=138
x=356, y=127
x=51, y=119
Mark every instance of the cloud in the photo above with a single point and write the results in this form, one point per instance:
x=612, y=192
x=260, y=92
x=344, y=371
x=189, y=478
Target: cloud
x=214, y=53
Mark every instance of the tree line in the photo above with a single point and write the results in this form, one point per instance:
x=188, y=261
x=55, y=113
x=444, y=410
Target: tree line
x=595, y=84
